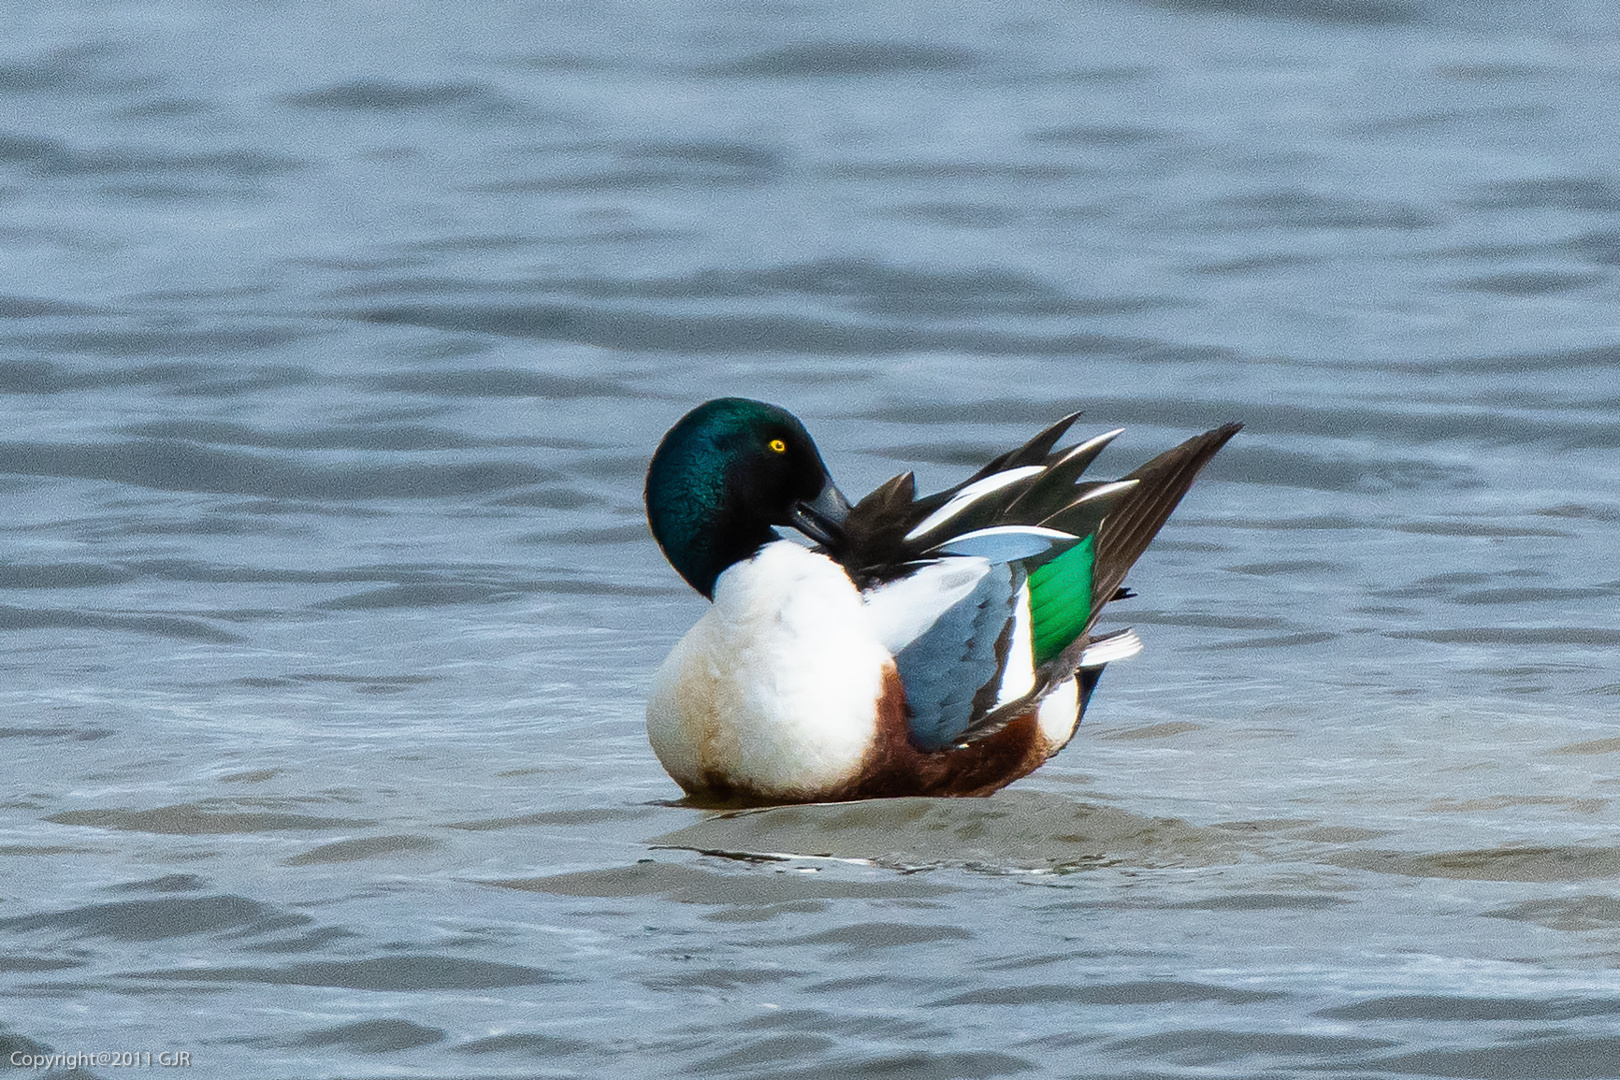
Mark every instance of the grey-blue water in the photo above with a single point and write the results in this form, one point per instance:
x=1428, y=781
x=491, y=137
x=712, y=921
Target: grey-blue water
x=334, y=339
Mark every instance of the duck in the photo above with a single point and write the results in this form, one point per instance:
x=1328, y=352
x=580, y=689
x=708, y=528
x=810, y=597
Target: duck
x=905, y=645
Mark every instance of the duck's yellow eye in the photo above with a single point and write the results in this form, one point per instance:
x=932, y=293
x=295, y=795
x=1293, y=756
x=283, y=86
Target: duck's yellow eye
x=777, y=446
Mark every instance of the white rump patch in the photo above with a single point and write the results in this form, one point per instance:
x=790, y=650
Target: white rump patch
x=1059, y=713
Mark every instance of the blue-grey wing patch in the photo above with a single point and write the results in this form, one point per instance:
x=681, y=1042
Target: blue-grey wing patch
x=952, y=671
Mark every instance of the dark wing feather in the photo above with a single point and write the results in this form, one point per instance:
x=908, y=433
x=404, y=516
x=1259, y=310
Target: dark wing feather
x=991, y=509
x=1033, y=452
x=877, y=544
x=874, y=532
x=1133, y=524
x=1056, y=486
x=1087, y=511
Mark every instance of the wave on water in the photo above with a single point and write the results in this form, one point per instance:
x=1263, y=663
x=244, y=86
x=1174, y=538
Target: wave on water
x=1019, y=830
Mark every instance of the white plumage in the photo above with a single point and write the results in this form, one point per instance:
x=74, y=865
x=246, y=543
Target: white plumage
x=776, y=686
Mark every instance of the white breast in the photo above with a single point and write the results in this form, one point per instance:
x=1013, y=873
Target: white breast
x=776, y=686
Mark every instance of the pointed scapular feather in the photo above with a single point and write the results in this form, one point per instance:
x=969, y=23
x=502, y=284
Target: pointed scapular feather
x=1007, y=543
x=1031, y=453
x=1054, y=487
x=1060, y=599
x=970, y=494
x=872, y=531
x=1084, y=515
x=895, y=493
x=990, y=511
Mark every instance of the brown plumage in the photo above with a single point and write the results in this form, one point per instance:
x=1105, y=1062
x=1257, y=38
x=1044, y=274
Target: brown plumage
x=894, y=767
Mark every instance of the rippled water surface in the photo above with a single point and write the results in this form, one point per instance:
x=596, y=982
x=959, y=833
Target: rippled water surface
x=333, y=343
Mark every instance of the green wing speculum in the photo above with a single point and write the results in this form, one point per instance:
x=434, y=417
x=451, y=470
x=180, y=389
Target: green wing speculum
x=1060, y=599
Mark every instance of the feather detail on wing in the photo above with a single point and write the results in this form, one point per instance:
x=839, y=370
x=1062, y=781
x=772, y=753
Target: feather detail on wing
x=953, y=670
x=1131, y=527
x=1007, y=543
x=1105, y=650
x=977, y=491
x=901, y=610
x=987, y=593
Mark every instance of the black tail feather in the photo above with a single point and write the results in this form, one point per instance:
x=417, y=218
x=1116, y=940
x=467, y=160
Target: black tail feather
x=1127, y=532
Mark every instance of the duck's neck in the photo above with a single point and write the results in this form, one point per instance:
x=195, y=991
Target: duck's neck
x=701, y=546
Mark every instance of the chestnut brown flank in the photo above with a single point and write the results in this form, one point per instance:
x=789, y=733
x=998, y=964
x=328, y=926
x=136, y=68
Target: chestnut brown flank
x=895, y=767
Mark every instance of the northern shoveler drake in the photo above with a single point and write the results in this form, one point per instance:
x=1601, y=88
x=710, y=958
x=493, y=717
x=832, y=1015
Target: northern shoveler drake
x=940, y=645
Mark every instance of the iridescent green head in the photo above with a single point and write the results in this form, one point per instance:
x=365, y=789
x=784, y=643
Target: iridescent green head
x=725, y=476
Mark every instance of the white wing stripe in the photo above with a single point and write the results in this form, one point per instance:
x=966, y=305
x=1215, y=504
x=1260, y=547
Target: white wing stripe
x=1005, y=543
x=1018, y=677
x=970, y=495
